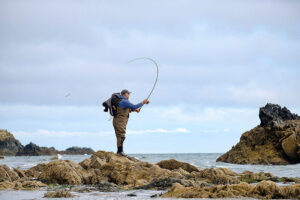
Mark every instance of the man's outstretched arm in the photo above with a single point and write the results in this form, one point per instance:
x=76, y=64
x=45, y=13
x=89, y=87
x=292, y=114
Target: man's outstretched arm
x=126, y=104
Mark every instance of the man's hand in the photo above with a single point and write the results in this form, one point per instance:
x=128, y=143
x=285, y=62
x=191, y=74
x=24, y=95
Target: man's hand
x=137, y=110
x=145, y=101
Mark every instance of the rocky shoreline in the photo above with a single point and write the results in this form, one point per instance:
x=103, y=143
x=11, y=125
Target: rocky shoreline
x=275, y=141
x=106, y=171
x=9, y=146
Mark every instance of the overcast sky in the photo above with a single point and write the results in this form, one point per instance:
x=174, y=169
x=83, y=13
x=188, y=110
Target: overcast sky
x=219, y=62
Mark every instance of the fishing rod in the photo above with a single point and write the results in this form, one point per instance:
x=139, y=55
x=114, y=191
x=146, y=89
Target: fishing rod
x=157, y=72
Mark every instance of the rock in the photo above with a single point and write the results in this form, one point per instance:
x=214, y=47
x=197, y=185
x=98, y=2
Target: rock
x=58, y=194
x=77, y=151
x=263, y=190
x=174, y=164
x=32, y=149
x=35, y=171
x=160, y=184
x=4, y=185
x=290, y=146
x=126, y=171
x=9, y=146
x=64, y=172
x=33, y=184
x=274, y=115
x=251, y=177
x=217, y=176
x=85, y=163
x=6, y=174
x=267, y=189
x=96, y=162
x=20, y=173
x=278, y=145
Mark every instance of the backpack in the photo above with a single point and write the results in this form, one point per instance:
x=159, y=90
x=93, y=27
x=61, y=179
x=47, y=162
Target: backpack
x=112, y=103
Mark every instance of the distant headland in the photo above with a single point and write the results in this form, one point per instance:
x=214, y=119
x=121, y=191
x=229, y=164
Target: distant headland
x=9, y=146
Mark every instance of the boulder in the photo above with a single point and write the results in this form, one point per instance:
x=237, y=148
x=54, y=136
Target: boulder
x=267, y=189
x=290, y=146
x=274, y=115
x=216, y=176
x=9, y=146
x=6, y=174
x=64, y=172
x=35, y=171
x=174, y=164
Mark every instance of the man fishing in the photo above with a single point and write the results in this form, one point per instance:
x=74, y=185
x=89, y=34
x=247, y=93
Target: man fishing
x=123, y=108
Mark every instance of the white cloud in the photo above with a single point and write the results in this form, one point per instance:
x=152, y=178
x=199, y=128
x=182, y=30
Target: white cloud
x=47, y=133
x=216, y=115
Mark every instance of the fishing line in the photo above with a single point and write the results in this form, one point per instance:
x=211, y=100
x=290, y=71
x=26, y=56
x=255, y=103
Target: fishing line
x=157, y=72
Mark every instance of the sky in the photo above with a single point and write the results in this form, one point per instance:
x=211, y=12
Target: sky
x=219, y=62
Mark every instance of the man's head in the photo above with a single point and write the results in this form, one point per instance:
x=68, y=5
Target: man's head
x=125, y=93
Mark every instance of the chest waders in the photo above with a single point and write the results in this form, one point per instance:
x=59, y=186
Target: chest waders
x=120, y=123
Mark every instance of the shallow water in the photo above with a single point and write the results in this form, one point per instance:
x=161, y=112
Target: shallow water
x=31, y=195
x=202, y=160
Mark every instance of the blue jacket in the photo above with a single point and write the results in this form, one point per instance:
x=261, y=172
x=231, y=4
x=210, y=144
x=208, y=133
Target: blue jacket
x=125, y=103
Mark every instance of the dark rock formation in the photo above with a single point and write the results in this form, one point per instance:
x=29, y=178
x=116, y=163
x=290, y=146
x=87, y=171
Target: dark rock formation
x=276, y=141
x=32, y=149
x=274, y=115
x=77, y=151
x=9, y=146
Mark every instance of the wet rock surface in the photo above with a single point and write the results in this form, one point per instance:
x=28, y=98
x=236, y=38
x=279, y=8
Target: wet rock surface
x=108, y=172
x=174, y=164
x=263, y=190
x=58, y=194
x=276, y=141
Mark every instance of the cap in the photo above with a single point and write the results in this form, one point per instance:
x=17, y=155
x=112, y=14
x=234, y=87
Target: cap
x=125, y=91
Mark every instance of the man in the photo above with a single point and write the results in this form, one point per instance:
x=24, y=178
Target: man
x=120, y=120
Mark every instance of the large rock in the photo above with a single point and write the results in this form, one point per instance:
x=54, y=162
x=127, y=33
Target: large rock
x=127, y=170
x=8, y=144
x=64, y=172
x=77, y=151
x=276, y=141
x=32, y=149
x=274, y=115
x=174, y=164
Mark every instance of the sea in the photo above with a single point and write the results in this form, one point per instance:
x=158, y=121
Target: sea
x=201, y=160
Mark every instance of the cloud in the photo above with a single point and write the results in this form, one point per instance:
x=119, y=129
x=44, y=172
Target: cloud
x=212, y=115
x=47, y=133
